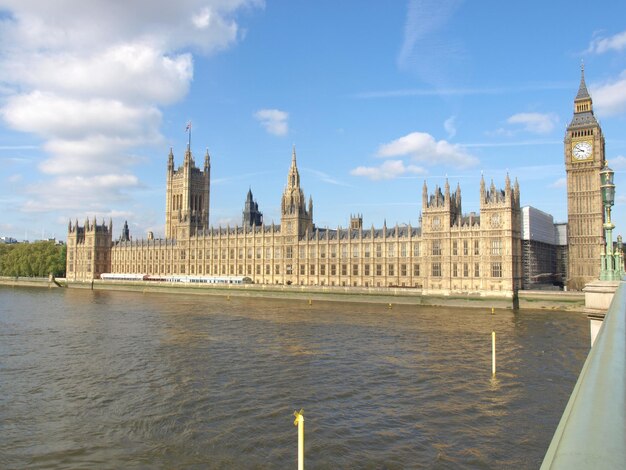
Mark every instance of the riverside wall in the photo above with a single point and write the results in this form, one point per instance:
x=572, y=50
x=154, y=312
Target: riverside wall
x=551, y=300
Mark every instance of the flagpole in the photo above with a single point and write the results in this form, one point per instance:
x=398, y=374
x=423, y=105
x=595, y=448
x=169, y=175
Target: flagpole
x=189, y=141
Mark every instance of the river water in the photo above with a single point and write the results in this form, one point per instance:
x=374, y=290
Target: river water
x=94, y=379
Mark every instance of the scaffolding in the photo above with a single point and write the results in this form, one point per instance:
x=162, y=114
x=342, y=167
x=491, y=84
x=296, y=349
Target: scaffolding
x=544, y=250
x=539, y=265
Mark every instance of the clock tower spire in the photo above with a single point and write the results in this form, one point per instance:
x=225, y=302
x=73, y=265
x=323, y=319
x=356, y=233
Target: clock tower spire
x=584, y=158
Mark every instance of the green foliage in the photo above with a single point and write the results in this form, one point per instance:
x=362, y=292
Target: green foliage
x=32, y=259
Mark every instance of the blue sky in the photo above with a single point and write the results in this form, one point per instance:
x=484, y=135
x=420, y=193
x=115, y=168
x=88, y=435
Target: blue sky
x=376, y=96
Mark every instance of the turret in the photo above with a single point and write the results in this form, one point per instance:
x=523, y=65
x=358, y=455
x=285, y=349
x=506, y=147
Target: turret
x=170, y=161
x=483, y=192
x=188, y=158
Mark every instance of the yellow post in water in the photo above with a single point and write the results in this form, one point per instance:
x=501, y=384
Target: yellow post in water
x=299, y=421
x=493, y=353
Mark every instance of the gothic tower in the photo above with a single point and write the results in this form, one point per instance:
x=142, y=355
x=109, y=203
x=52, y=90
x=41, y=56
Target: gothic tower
x=251, y=215
x=584, y=157
x=501, y=218
x=295, y=218
x=88, y=250
x=187, y=197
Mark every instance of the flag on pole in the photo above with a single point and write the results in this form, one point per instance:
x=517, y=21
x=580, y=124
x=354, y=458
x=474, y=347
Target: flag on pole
x=188, y=130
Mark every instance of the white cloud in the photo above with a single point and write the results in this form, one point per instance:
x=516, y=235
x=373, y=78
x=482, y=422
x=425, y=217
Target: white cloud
x=427, y=48
x=618, y=163
x=62, y=117
x=89, y=77
x=166, y=25
x=88, y=156
x=202, y=19
x=610, y=98
x=450, y=126
x=423, y=148
x=500, y=132
x=601, y=45
x=273, y=121
x=537, y=123
x=325, y=177
x=227, y=221
x=132, y=72
x=388, y=170
x=16, y=178
x=455, y=91
x=80, y=194
x=560, y=183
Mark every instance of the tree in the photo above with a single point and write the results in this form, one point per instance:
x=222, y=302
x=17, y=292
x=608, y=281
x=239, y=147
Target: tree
x=37, y=259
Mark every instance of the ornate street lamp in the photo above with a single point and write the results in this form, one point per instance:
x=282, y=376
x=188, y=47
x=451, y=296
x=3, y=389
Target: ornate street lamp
x=611, y=268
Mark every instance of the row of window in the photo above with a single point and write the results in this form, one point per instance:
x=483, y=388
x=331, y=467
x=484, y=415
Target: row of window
x=80, y=254
x=333, y=269
x=276, y=252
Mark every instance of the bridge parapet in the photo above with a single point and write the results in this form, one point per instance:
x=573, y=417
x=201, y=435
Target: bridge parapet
x=592, y=430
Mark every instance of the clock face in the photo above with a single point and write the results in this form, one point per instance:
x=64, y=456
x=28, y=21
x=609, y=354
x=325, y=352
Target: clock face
x=582, y=151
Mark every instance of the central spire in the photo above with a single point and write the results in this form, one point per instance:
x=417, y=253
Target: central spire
x=295, y=218
x=294, y=176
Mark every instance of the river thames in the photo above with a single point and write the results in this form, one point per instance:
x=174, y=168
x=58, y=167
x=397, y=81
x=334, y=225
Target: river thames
x=94, y=379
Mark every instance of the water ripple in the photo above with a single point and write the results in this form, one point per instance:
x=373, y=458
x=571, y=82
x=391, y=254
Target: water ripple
x=121, y=380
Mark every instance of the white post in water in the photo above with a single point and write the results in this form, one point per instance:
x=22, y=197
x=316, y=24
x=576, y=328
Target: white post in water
x=493, y=353
x=299, y=421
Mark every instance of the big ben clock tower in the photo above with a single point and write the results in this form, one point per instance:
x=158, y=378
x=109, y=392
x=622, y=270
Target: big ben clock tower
x=584, y=158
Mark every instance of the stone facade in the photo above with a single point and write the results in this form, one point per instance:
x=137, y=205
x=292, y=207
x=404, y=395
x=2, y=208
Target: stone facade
x=584, y=158
x=187, y=197
x=88, y=250
x=450, y=252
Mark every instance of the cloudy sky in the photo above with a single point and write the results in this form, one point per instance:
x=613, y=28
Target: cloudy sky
x=377, y=97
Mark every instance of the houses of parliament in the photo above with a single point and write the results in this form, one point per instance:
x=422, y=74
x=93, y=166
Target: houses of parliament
x=449, y=252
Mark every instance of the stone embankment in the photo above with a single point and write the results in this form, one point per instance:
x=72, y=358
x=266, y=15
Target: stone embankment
x=552, y=300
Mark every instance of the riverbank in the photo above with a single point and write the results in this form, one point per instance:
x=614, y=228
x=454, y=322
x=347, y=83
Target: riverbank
x=549, y=300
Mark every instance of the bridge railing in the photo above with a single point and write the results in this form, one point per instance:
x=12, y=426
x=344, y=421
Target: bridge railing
x=592, y=430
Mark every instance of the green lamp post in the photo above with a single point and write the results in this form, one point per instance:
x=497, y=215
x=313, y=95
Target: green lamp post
x=611, y=264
